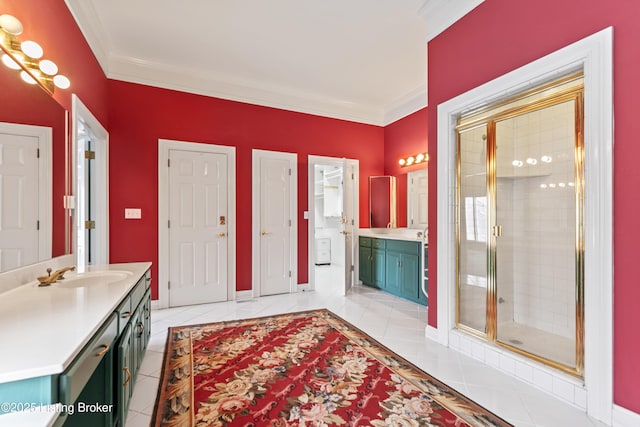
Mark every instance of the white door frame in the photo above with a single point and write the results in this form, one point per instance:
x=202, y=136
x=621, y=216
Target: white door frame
x=323, y=160
x=164, y=145
x=45, y=179
x=292, y=158
x=80, y=112
x=594, y=54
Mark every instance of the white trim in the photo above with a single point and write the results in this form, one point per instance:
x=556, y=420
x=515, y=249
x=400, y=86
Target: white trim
x=431, y=333
x=303, y=287
x=337, y=161
x=593, y=54
x=441, y=14
x=244, y=296
x=164, y=145
x=292, y=158
x=80, y=112
x=44, y=135
x=623, y=417
x=405, y=105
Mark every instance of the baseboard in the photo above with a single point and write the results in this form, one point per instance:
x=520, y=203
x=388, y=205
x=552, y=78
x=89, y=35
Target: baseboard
x=155, y=304
x=623, y=417
x=244, y=295
x=303, y=287
x=431, y=333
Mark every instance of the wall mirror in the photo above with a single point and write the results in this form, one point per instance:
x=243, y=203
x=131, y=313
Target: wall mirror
x=382, y=202
x=33, y=220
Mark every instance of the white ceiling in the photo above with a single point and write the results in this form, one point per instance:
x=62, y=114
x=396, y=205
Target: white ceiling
x=360, y=60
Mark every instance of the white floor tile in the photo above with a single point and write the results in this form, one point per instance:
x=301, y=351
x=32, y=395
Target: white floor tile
x=397, y=324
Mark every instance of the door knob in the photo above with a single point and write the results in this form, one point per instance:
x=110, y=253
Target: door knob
x=222, y=234
x=345, y=232
x=265, y=232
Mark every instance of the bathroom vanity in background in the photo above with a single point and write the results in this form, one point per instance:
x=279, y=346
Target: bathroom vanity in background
x=78, y=343
x=394, y=264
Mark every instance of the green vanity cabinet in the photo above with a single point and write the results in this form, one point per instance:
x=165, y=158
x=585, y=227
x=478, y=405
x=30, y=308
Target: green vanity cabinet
x=393, y=265
x=371, y=266
x=132, y=345
x=365, y=261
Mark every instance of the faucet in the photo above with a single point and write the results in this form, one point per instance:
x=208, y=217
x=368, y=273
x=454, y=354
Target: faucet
x=53, y=278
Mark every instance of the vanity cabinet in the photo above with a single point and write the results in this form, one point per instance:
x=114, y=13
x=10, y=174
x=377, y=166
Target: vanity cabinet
x=393, y=266
x=371, y=262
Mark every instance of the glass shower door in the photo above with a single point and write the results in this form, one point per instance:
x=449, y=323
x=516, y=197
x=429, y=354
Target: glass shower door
x=472, y=230
x=536, y=239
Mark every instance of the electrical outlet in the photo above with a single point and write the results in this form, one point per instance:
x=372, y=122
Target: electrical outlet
x=132, y=213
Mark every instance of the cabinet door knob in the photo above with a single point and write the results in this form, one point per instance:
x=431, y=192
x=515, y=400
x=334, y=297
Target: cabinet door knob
x=128, y=372
x=222, y=234
x=126, y=315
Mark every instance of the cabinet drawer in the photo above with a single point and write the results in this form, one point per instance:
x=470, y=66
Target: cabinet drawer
x=124, y=312
x=407, y=247
x=365, y=241
x=378, y=243
x=323, y=244
x=73, y=380
x=138, y=292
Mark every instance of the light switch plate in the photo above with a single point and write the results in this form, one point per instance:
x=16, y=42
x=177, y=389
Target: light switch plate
x=132, y=213
x=305, y=214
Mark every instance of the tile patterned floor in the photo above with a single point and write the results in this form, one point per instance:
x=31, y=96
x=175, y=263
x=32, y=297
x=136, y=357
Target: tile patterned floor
x=397, y=323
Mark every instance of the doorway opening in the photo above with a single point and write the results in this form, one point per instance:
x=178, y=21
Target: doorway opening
x=90, y=187
x=333, y=221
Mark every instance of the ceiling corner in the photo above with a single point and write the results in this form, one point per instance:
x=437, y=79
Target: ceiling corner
x=441, y=14
x=94, y=33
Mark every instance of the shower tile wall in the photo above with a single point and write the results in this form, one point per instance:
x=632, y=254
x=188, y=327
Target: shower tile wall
x=536, y=253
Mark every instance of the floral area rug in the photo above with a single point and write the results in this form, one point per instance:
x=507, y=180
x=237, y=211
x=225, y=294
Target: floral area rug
x=308, y=369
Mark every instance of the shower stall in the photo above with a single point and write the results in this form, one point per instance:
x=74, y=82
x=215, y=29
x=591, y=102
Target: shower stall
x=520, y=224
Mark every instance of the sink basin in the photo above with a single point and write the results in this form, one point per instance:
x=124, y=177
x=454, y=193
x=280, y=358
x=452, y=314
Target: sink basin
x=92, y=278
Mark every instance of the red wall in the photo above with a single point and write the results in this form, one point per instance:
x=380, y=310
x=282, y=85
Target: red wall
x=403, y=138
x=140, y=115
x=502, y=35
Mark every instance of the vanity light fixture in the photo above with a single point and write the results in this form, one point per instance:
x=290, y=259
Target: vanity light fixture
x=26, y=57
x=413, y=160
x=517, y=163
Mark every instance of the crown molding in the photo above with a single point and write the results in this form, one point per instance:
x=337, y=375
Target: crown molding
x=232, y=88
x=406, y=104
x=441, y=14
x=94, y=33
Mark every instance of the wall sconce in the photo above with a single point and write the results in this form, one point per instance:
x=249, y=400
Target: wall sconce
x=26, y=57
x=414, y=160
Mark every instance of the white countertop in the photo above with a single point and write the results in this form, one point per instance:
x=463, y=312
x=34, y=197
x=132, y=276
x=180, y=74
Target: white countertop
x=409, y=234
x=44, y=328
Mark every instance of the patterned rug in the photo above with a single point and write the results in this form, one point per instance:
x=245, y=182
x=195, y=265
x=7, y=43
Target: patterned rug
x=308, y=369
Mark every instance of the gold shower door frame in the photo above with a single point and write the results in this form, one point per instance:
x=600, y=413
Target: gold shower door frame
x=487, y=118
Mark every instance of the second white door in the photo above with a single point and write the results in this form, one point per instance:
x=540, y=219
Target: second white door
x=274, y=180
x=198, y=185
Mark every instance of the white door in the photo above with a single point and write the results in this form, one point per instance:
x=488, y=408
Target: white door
x=198, y=248
x=25, y=194
x=273, y=190
x=18, y=200
x=417, y=199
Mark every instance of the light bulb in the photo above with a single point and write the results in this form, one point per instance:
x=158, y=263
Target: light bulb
x=9, y=62
x=11, y=24
x=61, y=81
x=561, y=184
x=401, y=162
x=410, y=160
x=32, y=49
x=543, y=186
x=546, y=159
x=419, y=158
x=552, y=186
x=532, y=161
x=517, y=163
x=48, y=67
x=27, y=78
